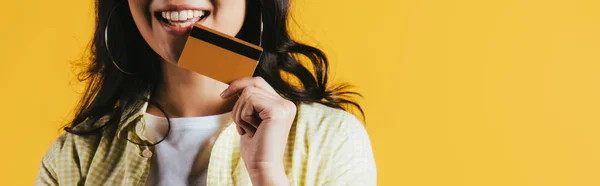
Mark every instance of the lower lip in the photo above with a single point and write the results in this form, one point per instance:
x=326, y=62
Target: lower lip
x=179, y=31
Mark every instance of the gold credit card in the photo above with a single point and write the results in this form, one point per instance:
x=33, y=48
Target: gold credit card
x=218, y=55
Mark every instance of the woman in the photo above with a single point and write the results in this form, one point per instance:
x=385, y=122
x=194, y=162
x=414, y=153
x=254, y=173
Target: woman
x=145, y=121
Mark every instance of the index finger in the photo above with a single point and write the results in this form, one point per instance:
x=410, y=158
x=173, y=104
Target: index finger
x=238, y=85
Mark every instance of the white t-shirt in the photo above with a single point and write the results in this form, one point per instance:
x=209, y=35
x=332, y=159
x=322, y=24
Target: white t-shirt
x=174, y=157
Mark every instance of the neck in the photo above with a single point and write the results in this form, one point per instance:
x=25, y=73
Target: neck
x=184, y=93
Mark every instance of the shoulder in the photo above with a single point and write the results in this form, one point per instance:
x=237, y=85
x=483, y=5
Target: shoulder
x=339, y=144
x=325, y=127
x=70, y=149
x=68, y=143
x=319, y=117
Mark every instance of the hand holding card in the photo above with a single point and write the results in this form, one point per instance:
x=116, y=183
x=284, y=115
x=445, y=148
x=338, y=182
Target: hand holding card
x=218, y=55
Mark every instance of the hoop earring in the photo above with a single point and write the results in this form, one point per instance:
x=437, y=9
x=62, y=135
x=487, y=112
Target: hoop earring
x=261, y=30
x=106, y=42
x=143, y=143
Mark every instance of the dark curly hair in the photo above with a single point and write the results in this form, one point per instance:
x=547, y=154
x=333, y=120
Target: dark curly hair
x=114, y=93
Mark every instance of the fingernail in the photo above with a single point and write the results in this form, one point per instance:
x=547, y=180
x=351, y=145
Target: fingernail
x=224, y=93
x=238, y=130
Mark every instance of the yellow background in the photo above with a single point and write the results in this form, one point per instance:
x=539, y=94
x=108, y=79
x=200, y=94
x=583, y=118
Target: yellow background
x=457, y=92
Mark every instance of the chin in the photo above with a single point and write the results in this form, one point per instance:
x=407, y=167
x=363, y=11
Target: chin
x=171, y=55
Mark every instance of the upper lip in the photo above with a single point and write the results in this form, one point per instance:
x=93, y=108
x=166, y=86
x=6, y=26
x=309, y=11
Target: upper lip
x=174, y=7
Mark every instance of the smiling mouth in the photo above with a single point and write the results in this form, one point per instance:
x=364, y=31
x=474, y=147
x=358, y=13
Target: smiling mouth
x=181, y=19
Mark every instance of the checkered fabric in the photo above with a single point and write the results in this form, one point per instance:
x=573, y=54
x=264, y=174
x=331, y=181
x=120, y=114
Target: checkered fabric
x=326, y=146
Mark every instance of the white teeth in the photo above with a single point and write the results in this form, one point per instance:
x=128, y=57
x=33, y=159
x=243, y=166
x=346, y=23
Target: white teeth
x=174, y=16
x=190, y=13
x=181, y=15
x=184, y=24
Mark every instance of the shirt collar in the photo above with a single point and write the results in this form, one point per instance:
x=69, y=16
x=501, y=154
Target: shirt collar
x=135, y=123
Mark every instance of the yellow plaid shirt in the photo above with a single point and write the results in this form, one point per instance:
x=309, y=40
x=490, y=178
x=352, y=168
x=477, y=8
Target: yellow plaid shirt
x=326, y=146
